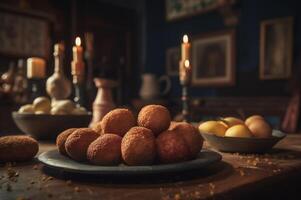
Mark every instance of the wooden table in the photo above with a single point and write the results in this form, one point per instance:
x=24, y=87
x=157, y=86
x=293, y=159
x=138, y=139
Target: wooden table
x=277, y=175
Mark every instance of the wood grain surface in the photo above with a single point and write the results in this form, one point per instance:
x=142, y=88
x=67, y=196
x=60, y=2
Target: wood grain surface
x=274, y=175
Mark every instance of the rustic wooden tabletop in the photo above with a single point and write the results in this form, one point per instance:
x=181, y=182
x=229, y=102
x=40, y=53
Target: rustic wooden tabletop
x=238, y=176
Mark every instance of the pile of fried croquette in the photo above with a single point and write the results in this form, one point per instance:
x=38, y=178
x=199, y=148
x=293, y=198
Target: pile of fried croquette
x=151, y=138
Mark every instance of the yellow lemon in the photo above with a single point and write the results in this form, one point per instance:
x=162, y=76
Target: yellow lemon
x=260, y=128
x=239, y=130
x=214, y=127
x=232, y=121
x=251, y=118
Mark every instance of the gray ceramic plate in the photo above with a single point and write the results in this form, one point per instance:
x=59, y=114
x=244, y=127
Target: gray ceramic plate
x=55, y=160
x=243, y=145
x=47, y=126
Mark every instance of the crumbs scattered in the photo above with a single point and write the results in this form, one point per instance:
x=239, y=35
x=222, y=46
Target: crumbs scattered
x=22, y=198
x=69, y=182
x=242, y=173
x=76, y=189
x=177, y=197
x=8, y=187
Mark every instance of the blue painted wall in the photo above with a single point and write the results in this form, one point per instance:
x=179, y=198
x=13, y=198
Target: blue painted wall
x=162, y=35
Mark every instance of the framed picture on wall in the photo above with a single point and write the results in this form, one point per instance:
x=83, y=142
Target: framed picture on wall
x=176, y=9
x=24, y=35
x=172, y=61
x=276, y=46
x=213, y=59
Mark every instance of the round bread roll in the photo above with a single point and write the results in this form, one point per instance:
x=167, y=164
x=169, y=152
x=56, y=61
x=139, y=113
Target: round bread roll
x=17, y=148
x=154, y=117
x=61, y=140
x=28, y=108
x=58, y=111
x=78, y=142
x=63, y=107
x=42, y=104
x=105, y=150
x=138, y=146
x=79, y=111
x=191, y=136
x=172, y=148
x=118, y=121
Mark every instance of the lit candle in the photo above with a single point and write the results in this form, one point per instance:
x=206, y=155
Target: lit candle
x=185, y=48
x=187, y=64
x=77, y=64
x=77, y=50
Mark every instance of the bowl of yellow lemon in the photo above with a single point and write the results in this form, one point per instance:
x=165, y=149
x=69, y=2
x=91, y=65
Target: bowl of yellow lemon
x=230, y=134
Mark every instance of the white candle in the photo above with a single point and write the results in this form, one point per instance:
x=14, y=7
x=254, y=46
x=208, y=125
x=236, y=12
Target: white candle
x=77, y=50
x=185, y=48
x=36, y=68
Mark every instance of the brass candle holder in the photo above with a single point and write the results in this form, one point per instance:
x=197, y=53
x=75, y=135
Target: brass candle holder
x=185, y=79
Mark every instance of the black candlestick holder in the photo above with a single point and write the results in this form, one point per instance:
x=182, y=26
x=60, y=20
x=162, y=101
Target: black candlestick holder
x=185, y=78
x=185, y=103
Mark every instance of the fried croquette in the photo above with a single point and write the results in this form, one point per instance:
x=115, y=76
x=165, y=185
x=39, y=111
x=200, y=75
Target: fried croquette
x=154, y=117
x=118, y=121
x=61, y=139
x=191, y=136
x=97, y=127
x=172, y=148
x=105, y=150
x=17, y=148
x=78, y=142
x=138, y=146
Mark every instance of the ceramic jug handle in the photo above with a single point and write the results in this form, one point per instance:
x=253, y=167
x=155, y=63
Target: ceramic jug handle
x=167, y=80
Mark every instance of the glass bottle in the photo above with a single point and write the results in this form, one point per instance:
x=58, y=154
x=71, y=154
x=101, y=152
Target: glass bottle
x=58, y=86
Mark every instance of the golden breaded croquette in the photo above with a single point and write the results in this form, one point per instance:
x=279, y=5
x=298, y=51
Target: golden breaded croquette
x=172, y=148
x=154, y=117
x=191, y=135
x=105, y=150
x=61, y=139
x=118, y=121
x=17, y=148
x=97, y=127
x=138, y=146
x=78, y=142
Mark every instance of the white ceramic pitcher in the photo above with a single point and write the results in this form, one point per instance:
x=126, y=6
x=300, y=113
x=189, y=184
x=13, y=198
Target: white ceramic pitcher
x=150, y=88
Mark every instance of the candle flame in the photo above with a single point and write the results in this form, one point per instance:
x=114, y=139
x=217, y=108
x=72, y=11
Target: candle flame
x=185, y=38
x=186, y=63
x=77, y=41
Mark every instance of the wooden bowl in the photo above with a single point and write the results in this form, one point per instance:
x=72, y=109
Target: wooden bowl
x=45, y=126
x=243, y=145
